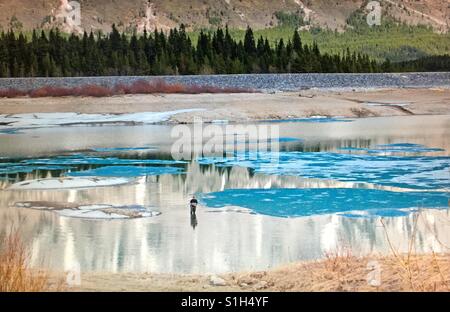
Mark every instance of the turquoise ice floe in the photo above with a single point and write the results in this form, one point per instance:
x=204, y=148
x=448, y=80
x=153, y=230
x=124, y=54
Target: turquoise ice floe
x=397, y=148
x=75, y=162
x=319, y=201
x=414, y=172
x=126, y=171
x=81, y=159
x=269, y=140
x=123, y=149
x=14, y=169
x=10, y=131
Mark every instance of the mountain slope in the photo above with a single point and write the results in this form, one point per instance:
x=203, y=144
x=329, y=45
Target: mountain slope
x=140, y=14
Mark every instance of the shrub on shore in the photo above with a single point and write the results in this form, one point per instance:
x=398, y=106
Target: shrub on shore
x=156, y=86
x=11, y=93
x=15, y=273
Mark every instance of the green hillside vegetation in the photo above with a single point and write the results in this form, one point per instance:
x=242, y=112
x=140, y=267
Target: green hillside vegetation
x=53, y=54
x=157, y=53
x=392, y=40
x=429, y=63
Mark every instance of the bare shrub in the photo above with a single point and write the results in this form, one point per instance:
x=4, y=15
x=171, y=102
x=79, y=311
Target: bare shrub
x=138, y=87
x=15, y=274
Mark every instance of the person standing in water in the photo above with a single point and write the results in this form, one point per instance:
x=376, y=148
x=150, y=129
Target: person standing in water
x=193, y=203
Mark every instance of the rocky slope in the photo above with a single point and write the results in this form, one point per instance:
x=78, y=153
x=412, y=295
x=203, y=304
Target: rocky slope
x=163, y=14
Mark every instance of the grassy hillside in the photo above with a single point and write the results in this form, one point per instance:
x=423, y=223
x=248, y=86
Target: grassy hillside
x=398, y=43
x=273, y=19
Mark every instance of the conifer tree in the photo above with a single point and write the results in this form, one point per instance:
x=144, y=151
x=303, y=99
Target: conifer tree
x=49, y=53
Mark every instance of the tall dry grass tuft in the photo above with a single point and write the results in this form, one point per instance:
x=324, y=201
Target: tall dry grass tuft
x=419, y=272
x=340, y=270
x=15, y=274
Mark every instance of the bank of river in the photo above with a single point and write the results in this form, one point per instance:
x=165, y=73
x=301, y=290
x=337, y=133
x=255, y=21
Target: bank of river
x=182, y=108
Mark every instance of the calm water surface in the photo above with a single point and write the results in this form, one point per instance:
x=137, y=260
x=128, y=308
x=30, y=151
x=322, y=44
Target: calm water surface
x=223, y=238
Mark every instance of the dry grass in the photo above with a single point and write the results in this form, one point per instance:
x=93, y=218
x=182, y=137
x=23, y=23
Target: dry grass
x=362, y=112
x=12, y=93
x=338, y=271
x=15, y=274
x=87, y=90
x=349, y=273
x=419, y=276
x=341, y=271
x=155, y=86
x=335, y=273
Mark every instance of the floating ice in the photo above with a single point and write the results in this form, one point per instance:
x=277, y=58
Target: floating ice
x=231, y=209
x=379, y=213
x=123, y=149
x=39, y=120
x=285, y=140
x=307, y=202
x=397, y=148
x=80, y=159
x=269, y=140
x=126, y=171
x=10, y=131
x=318, y=119
x=414, y=172
x=73, y=162
x=14, y=168
x=69, y=183
x=92, y=211
x=219, y=121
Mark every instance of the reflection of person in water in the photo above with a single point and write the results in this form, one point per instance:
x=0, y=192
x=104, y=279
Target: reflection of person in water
x=193, y=203
x=193, y=220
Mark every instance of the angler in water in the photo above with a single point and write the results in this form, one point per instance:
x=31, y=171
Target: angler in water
x=193, y=204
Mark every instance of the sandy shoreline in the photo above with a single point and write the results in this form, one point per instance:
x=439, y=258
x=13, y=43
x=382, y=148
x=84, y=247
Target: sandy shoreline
x=429, y=272
x=249, y=107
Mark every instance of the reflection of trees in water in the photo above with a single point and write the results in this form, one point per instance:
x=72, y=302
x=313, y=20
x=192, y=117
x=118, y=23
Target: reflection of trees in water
x=223, y=241
x=76, y=166
x=227, y=241
x=326, y=145
x=8, y=179
x=311, y=145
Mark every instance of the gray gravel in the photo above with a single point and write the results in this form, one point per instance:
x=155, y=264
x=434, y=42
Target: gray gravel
x=264, y=82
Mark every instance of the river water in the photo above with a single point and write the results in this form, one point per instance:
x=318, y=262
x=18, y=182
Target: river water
x=339, y=185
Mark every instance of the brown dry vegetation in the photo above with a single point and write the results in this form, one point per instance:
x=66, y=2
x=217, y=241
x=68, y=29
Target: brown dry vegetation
x=341, y=271
x=362, y=112
x=15, y=273
x=338, y=271
x=349, y=273
x=138, y=87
